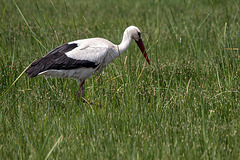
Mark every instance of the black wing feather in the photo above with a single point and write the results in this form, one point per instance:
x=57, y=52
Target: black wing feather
x=57, y=59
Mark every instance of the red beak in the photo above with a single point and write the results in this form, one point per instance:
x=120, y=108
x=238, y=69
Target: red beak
x=142, y=48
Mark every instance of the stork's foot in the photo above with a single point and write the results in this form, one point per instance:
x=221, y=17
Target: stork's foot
x=79, y=101
x=82, y=100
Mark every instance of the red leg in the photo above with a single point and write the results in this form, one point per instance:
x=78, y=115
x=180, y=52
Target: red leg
x=81, y=92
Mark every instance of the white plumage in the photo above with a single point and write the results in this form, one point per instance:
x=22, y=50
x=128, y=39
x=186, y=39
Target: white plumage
x=82, y=58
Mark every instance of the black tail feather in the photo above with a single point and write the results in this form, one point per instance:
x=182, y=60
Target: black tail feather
x=58, y=60
x=35, y=68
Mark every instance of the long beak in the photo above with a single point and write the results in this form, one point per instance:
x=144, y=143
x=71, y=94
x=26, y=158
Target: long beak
x=142, y=48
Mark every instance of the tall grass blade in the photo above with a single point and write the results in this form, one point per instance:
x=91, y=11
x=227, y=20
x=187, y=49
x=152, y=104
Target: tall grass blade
x=54, y=146
x=15, y=80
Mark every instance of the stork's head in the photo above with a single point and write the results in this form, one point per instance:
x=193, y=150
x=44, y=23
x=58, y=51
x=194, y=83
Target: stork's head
x=134, y=32
x=136, y=35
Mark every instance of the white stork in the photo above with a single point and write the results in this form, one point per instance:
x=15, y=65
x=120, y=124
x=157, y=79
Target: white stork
x=81, y=58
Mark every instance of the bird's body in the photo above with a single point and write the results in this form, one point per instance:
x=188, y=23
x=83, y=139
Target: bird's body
x=82, y=58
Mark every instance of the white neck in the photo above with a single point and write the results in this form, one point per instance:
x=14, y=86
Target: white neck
x=123, y=46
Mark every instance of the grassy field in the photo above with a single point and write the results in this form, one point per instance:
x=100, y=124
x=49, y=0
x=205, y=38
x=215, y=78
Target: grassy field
x=186, y=105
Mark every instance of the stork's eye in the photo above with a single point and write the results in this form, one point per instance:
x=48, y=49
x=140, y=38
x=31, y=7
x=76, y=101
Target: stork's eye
x=139, y=35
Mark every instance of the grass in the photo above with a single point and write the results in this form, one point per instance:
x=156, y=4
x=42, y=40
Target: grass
x=184, y=106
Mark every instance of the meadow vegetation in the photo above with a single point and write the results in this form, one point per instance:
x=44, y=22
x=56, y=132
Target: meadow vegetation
x=184, y=106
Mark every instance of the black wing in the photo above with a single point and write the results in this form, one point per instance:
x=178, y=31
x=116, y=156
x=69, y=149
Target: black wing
x=57, y=59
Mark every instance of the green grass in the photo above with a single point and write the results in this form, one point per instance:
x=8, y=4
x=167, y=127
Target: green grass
x=184, y=106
